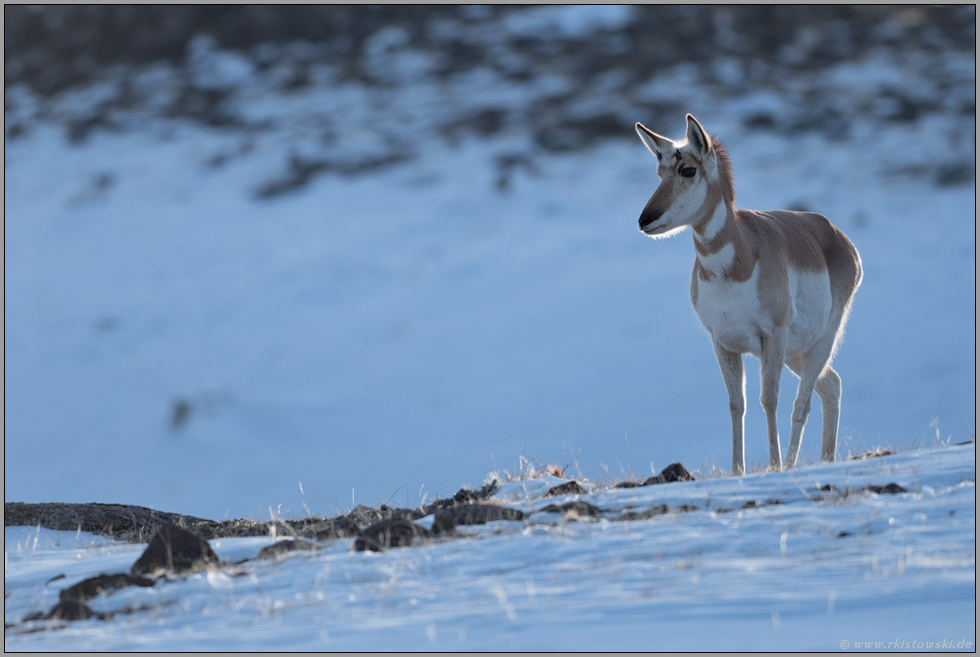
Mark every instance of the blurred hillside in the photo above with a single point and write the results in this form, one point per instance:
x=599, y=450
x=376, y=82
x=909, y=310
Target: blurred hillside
x=53, y=48
x=590, y=70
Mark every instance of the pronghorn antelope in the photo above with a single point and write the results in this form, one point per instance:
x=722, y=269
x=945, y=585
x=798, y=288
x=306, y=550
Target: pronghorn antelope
x=775, y=284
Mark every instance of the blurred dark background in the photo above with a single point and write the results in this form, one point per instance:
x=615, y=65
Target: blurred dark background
x=52, y=48
x=56, y=48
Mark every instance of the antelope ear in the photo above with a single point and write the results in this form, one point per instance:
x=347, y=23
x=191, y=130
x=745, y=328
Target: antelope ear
x=658, y=145
x=697, y=137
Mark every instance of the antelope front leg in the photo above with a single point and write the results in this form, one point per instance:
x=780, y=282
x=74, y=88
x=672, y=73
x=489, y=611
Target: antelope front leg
x=731, y=369
x=773, y=355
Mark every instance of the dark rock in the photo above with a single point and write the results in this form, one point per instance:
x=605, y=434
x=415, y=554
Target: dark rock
x=400, y=532
x=124, y=522
x=444, y=524
x=56, y=578
x=282, y=547
x=644, y=514
x=393, y=532
x=578, y=508
x=407, y=514
x=365, y=515
x=673, y=472
x=137, y=524
x=96, y=518
x=890, y=489
x=684, y=508
x=871, y=455
x=751, y=504
x=342, y=527
x=465, y=496
x=175, y=550
x=69, y=610
x=568, y=488
x=843, y=534
x=479, y=514
x=102, y=584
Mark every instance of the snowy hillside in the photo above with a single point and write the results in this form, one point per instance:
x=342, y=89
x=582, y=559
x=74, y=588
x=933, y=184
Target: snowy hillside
x=803, y=560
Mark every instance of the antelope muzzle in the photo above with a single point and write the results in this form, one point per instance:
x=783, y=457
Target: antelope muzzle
x=649, y=217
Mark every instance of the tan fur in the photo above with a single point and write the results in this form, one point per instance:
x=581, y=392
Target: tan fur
x=805, y=273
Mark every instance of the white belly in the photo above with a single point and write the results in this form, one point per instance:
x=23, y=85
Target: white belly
x=731, y=312
x=734, y=316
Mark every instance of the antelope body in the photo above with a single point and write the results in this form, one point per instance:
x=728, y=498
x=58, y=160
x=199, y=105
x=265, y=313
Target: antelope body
x=775, y=284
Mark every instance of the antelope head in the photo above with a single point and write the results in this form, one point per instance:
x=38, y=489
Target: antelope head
x=687, y=169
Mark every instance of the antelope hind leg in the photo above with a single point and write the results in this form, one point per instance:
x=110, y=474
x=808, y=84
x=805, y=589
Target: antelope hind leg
x=814, y=366
x=734, y=375
x=828, y=388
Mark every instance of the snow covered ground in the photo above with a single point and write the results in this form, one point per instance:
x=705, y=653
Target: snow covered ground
x=817, y=571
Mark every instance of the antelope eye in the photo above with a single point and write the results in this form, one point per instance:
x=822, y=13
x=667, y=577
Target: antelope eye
x=688, y=172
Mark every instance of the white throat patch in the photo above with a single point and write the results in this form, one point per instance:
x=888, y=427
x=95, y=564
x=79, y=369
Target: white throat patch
x=715, y=224
x=717, y=263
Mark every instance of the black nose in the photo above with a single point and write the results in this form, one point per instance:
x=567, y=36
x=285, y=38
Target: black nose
x=648, y=217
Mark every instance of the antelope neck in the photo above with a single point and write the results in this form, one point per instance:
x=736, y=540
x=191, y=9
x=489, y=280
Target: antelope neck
x=716, y=239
